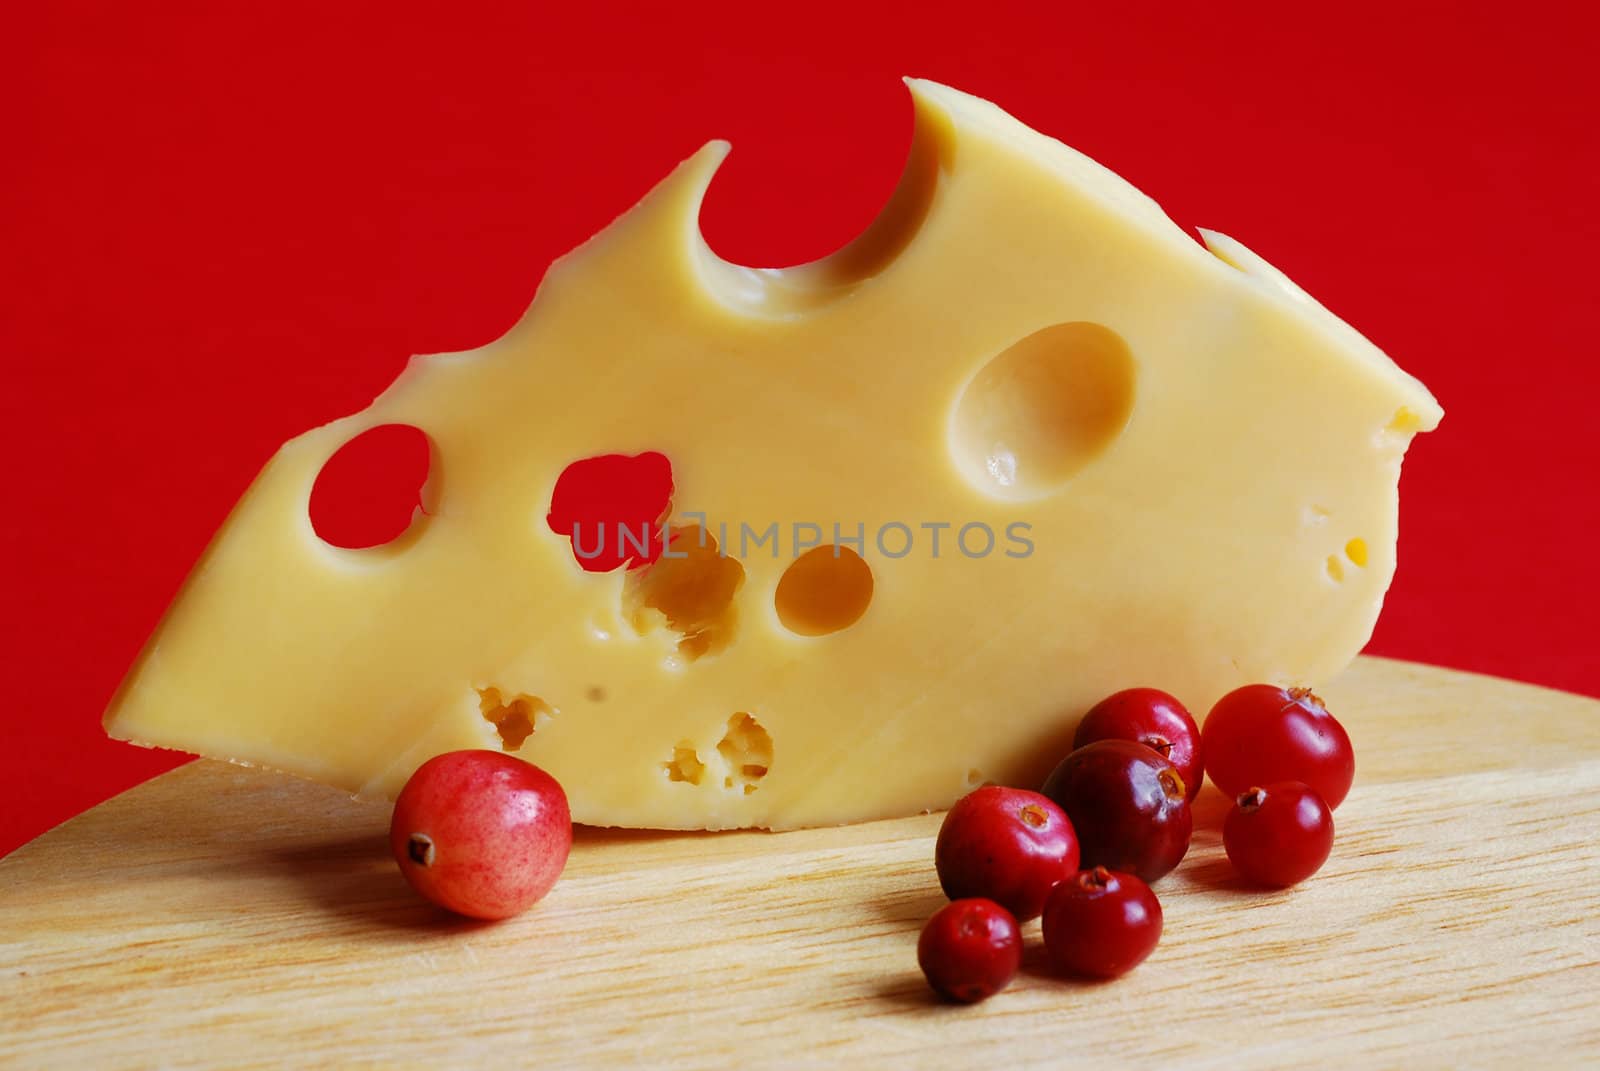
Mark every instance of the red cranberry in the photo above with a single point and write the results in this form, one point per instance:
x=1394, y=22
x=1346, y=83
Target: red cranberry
x=1007, y=844
x=481, y=832
x=1153, y=718
x=1128, y=806
x=1278, y=835
x=1101, y=924
x=1262, y=733
x=970, y=950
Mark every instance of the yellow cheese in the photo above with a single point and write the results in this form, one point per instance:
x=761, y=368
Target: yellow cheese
x=1063, y=448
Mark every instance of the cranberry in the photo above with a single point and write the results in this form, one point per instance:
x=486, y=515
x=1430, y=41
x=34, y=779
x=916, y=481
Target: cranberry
x=970, y=950
x=1261, y=733
x=1101, y=924
x=1128, y=805
x=1278, y=835
x=481, y=832
x=1007, y=844
x=1150, y=717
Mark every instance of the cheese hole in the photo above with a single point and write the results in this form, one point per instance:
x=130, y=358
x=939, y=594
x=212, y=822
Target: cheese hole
x=690, y=589
x=516, y=718
x=611, y=507
x=785, y=293
x=824, y=590
x=374, y=488
x=1335, y=568
x=746, y=752
x=1356, y=551
x=1042, y=409
x=685, y=765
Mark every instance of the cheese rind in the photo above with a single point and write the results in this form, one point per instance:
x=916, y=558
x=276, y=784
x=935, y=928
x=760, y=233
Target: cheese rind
x=1201, y=461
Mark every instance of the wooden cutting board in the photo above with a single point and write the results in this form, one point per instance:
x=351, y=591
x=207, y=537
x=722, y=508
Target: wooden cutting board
x=220, y=916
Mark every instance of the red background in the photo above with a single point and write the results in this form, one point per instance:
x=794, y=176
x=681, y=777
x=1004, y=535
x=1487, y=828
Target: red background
x=223, y=224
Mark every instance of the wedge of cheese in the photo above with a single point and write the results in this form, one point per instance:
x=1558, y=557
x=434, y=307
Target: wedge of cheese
x=1022, y=444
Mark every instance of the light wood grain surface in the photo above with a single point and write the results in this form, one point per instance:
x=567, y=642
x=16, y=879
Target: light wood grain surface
x=223, y=917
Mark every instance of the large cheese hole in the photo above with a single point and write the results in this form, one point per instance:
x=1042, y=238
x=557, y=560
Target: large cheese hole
x=824, y=590
x=374, y=488
x=784, y=293
x=1042, y=409
x=690, y=589
x=611, y=507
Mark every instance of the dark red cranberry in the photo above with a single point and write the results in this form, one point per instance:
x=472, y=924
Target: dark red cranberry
x=1150, y=717
x=1262, y=733
x=970, y=950
x=1007, y=844
x=1128, y=805
x=1101, y=924
x=1278, y=835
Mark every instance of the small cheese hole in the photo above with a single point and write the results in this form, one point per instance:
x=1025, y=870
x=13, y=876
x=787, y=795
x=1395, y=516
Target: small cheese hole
x=685, y=766
x=691, y=588
x=746, y=751
x=824, y=590
x=515, y=719
x=1406, y=421
x=1356, y=551
x=1042, y=409
x=1335, y=568
x=374, y=488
